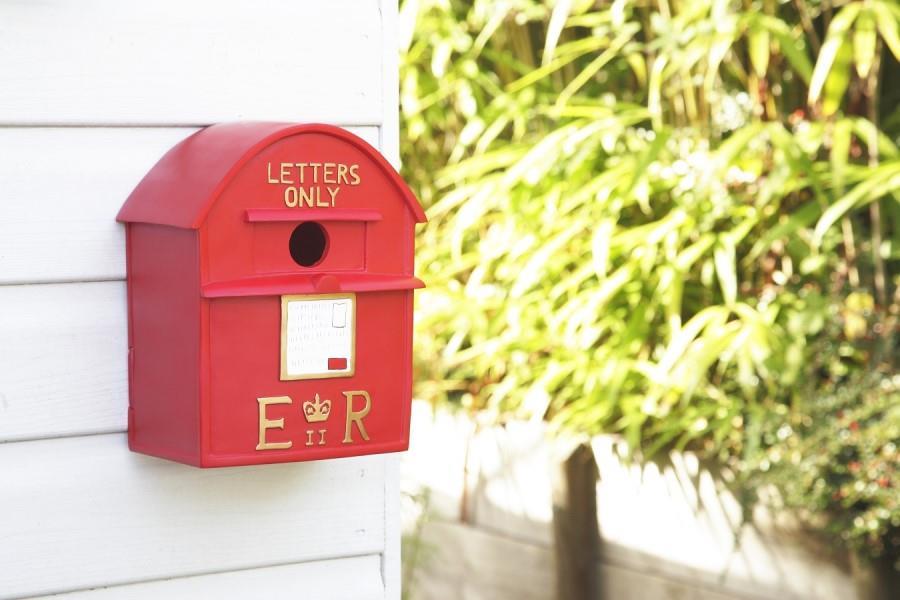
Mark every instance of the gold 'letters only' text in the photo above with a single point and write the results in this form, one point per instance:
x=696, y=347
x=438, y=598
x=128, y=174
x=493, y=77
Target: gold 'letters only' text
x=304, y=182
x=265, y=424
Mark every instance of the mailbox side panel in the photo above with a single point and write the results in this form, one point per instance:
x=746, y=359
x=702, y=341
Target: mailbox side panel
x=164, y=342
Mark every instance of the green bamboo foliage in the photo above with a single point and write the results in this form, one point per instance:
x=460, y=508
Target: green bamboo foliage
x=647, y=216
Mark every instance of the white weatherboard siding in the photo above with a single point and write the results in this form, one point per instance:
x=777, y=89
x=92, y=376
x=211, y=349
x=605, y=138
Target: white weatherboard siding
x=85, y=512
x=321, y=580
x=60, y=190
x=170, y=62
x=63, y=361
x=91, y=95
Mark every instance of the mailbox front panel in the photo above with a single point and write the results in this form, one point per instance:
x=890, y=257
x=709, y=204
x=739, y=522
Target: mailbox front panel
x=257, y=416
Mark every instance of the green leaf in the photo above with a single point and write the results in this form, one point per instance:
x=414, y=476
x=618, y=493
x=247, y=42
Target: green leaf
x=864, y=39
x=884, y=179
x=887, y=19
x=576, y=50
x=654, y=91
x=598, y=63
x=840, y=151
x=640, y=168
x=797, y=158
x=638, y=67
x=797, y=220
x=718, y=50
x=866, y=130
x=838, y=80
x=501, y=10
x=558, y=17
x=834, y=42
x=791, y=46
x=532, y=271
x=758, y=42
x=724, y=257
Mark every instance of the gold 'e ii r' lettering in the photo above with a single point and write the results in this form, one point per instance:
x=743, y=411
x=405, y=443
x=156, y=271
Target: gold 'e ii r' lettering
x=265, y=424
x=356, y=416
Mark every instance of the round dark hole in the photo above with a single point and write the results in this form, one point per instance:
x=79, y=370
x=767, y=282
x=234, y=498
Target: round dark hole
x=308, y=244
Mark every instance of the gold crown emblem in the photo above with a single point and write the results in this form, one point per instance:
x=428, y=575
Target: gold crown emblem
x=318, y=411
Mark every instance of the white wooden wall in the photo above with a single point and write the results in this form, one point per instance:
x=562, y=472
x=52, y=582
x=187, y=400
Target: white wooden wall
x=92, y=93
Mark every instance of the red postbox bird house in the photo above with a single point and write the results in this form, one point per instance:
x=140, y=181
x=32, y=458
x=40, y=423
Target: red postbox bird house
x=270, y=298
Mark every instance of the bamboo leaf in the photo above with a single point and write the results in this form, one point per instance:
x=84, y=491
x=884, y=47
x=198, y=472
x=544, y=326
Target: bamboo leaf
x=838, y=80
x=888, y=16
x=712, y=316
x=598, y=63
x=797, y=158
x=866, y=130
x=882, y=180
x=864, y=38
x=654, y=92
x=834, y=42
x=640, y=169
x=718, y=50
x=791, y=46
x=797, y=220
x=558, y=17
x=840, y=152
x=638, y=67
x=758, y=42
x=531, y=271
x=600, y=246
x=724, y=257
x=561, y=60
x=501, y=10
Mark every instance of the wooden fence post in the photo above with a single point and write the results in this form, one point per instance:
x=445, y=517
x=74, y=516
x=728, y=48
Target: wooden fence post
x=575, y=531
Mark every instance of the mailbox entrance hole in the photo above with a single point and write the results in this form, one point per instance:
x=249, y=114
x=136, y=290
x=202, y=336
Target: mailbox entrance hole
x=308, y=244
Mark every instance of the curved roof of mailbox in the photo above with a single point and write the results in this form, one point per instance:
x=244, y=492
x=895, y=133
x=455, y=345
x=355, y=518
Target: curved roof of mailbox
x=182, y=187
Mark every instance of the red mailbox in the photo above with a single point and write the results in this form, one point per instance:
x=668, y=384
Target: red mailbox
x=270, y=298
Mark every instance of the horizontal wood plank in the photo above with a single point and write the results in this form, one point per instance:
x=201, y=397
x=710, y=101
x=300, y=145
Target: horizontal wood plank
x=354, y=578
x=170, y=62
x=60, y=191
x=85, y=512
x=63, y=360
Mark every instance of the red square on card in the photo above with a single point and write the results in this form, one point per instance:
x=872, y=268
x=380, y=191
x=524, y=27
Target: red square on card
x=337, y=364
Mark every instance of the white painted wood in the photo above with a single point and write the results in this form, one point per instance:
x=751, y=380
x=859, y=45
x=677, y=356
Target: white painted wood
x=85, y=512
x=170, y=62
x=390, y=65
x=63, y=360
x=354, y=578
x=82, y=515
x=60, y=190
x=390, y=564
x=389, y=145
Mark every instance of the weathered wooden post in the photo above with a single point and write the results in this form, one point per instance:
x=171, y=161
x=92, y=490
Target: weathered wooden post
x=575, y=532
